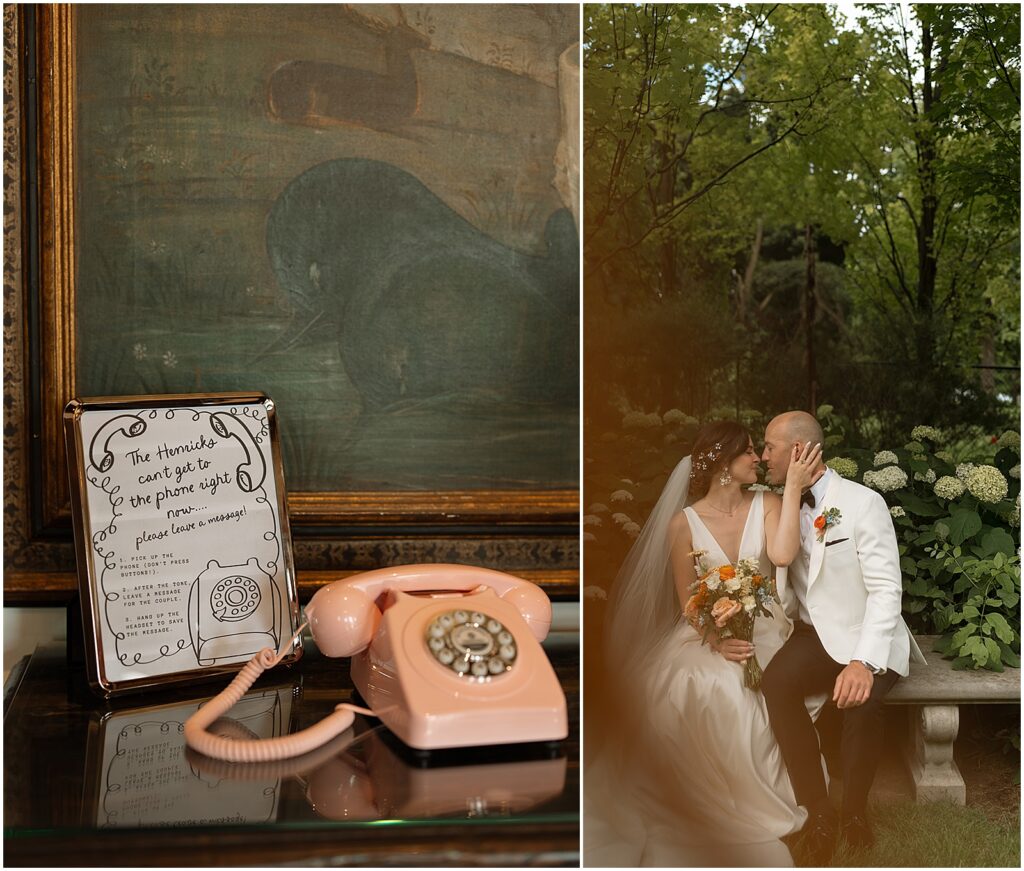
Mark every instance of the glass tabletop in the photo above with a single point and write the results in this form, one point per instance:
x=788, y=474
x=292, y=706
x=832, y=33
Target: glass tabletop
x=82, y=770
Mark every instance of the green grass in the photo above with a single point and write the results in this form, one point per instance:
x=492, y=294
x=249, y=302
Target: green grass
x=933, y=835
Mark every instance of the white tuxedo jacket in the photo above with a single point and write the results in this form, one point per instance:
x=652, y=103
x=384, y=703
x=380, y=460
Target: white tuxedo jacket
x=853, y=582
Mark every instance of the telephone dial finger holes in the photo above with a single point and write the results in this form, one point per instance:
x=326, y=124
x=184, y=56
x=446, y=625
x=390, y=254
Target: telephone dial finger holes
x=234, y=598
x=471, y=643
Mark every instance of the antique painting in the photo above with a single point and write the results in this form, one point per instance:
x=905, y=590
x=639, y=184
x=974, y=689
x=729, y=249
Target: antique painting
x=359, y=210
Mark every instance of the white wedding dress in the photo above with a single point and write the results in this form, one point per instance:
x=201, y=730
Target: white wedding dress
x=698, y=779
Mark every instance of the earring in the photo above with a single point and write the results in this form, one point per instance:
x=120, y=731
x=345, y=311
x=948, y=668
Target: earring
x=726, y=479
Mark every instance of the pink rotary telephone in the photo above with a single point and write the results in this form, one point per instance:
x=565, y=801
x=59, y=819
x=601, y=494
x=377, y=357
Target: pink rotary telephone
x=445, y=656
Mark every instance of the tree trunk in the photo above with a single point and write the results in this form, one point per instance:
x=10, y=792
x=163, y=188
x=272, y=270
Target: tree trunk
x=809, y=311
x=927, y=266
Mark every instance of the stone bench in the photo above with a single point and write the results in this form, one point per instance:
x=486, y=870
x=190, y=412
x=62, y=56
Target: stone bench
x=936, y=691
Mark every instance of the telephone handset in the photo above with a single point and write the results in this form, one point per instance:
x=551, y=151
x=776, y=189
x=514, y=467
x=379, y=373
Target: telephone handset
x=253, y=469
x=117, y=425
x=444, y=655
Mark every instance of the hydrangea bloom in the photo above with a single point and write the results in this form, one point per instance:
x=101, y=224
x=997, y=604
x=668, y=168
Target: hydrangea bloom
x=987, y=484
x=674, y=415
x=1015, y=471
x=591, y=520
x=824, y=410
x=631, y=529
x=595, y=592
x=639, y=420
x=598, y=508
x=915, y=447
x=843, y=466
x=622, y=496
x=948, y=487
x=589, y=536
x=1014, y=518
x=1010, y=439
x=963, y=470
x=926, y=432
x=945, y=456
x=928, y=477
x=884, y=458
x=621, y=518
x=897, y=511
x=887, y=479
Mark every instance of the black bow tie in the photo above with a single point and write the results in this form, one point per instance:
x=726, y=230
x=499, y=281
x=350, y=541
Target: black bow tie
x=807, y=498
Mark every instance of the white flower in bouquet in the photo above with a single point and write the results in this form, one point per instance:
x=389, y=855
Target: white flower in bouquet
x=886, y=480
x=948, y=487
x=758, y=488
x=843, y=466
x=631, y=529
x=928, y=477
x=733, y=584
x=749, y=603
x=897, y=511
x=926, y=432
x=963, y=470
x=883, y=458
x=713, y=581
x=622, y=496
x=987, y=483
x=591, y=520
x=621, y=518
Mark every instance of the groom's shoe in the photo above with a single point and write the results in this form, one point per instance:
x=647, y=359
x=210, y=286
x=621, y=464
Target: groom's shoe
x=819, y=839
x=857, y=832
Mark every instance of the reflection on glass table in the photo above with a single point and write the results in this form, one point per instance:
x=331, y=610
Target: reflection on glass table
x=93, y=782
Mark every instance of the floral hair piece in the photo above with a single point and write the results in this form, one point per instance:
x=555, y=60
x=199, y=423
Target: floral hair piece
x=705, y=459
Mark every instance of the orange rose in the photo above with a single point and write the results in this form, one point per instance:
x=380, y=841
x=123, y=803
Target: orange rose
x=726, y=573
x=819, y=521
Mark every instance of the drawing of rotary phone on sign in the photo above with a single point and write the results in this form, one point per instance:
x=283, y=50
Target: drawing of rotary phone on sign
x=444, y=655
x=234, y=609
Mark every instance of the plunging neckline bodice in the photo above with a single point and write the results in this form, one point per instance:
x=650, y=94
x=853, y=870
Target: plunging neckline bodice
x=744, y=548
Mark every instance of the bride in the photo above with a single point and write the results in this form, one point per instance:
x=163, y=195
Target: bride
x=691, y=774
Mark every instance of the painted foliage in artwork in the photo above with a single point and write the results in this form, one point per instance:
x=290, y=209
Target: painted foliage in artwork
x=366, y=212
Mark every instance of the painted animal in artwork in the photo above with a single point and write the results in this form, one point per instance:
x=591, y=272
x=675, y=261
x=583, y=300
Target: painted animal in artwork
x=425, y=305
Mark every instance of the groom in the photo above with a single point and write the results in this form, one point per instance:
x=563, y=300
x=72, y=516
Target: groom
x=845, y=597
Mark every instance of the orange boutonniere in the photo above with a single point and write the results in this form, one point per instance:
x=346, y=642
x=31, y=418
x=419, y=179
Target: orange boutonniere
x=826, y=520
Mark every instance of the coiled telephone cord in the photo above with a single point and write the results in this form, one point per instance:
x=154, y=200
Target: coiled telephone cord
x=262, y=749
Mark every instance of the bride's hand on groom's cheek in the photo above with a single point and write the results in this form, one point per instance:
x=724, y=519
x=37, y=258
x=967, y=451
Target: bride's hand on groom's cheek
x=853, y=686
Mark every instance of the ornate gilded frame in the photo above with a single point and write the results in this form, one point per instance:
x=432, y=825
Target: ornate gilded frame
x=531, y=533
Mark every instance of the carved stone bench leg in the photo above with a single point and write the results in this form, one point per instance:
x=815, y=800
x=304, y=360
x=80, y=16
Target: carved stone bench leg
x=936, y=777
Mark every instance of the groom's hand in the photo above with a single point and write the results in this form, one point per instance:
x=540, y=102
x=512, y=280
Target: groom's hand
x=853, y=686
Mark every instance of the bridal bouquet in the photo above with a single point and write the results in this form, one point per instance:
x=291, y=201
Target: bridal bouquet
x=734, y=595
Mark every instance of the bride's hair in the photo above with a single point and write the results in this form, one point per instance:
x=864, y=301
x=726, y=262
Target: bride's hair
x=717, y=445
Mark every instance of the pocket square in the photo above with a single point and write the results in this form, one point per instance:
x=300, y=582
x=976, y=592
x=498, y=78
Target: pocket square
x=835, y=541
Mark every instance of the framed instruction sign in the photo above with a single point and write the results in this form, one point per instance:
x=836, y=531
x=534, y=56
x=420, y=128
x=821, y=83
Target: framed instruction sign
x=181, y=535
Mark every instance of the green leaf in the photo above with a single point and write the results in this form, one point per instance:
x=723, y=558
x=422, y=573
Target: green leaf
x=970, y=611
x=963, y=634
x=963, y=524
x=998, y=541
x=1011, y=658
x=976, y=648
x=962, y=663
x=942, y=529
x=916, y=505
x=1002, y=629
